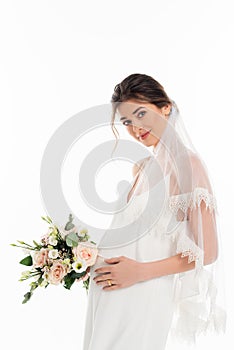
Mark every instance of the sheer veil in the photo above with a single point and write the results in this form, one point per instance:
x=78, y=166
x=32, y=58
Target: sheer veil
x=175, y=177
x=194, y=227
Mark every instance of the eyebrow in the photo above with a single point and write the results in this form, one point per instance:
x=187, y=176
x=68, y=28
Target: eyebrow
x=132, y=112
x=137, y=110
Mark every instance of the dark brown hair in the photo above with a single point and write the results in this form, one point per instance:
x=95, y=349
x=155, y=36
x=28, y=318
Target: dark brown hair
x=139, y=87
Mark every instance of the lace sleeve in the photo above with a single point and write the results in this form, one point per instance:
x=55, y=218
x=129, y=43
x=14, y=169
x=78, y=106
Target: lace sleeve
x=191, y=200
x=198, y=292
x=198, y=238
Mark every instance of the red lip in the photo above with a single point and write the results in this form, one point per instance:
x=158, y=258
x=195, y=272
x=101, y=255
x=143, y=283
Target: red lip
x=143, y=136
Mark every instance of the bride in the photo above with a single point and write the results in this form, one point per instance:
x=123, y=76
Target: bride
x=159, y=275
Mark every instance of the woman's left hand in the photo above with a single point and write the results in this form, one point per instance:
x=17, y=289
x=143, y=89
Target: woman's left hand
x=123, y=272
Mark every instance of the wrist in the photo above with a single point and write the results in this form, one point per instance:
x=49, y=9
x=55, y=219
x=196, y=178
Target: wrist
x=145, y=271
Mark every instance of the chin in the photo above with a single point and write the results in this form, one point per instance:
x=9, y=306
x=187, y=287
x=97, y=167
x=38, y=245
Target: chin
x=155, y=143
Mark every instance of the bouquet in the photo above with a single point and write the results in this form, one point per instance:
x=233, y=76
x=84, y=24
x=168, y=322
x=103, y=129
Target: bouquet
x=61, y=257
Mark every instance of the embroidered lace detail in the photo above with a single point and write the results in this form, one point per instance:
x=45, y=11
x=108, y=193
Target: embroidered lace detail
x=191, y=255
x=191, y=199
x=187, y=247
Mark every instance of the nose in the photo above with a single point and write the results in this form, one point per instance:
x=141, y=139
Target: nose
x=136, y=129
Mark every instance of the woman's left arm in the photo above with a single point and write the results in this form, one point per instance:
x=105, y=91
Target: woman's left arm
x=176, y=263
x=125, y=272
x=167, y=266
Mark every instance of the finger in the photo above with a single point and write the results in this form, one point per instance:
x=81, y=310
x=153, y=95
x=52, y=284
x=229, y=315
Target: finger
x=99, y=279
x=103, y=269
x=103, y=281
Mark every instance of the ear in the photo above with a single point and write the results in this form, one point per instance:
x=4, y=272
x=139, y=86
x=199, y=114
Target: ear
x=166, y=110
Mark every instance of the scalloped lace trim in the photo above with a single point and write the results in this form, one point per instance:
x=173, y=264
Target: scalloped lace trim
x=191, y=199
x=187, y=247
x=191, y=255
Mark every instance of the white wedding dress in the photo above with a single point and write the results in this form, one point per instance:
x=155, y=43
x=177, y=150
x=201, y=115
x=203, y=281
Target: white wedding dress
x=136, y=317
x=174, y=205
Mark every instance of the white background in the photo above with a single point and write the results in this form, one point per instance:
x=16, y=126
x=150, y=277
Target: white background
x=60, y=57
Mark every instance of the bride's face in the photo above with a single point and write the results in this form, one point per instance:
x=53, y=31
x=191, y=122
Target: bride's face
x=144, y=121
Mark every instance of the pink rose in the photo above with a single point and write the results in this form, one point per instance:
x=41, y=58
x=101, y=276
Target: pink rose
x=41, y=257
x=57, y=272
x=87, y=252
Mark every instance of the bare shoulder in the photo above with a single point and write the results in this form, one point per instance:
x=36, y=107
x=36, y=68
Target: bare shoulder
x=197, y=163
x=138, y=166
x=200, y=171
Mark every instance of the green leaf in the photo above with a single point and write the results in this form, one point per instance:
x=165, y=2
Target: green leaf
x=86, y=284
x=69, y=225
x=33, y=285
x=37, y=244
x=70, y=278
x=40, y=280
x=21, y=242
x=27, y=296
x=47, y=219
x=27, y=261
x=72, y=239
x=68, y=281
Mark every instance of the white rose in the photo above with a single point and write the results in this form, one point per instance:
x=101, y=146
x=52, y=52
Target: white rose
x=53, y=254
x=53, y=240
x=79, y=266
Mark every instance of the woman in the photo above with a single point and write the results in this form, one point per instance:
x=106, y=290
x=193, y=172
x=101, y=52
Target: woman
x=157, y=275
